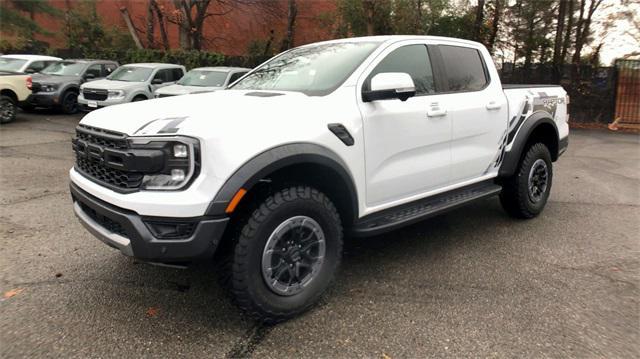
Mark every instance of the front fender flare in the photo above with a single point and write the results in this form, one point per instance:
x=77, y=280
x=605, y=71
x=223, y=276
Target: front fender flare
x=277, y=158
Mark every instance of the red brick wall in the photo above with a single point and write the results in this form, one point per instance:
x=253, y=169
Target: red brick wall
x=229, y=34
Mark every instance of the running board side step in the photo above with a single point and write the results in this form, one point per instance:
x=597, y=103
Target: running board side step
x=390, y=219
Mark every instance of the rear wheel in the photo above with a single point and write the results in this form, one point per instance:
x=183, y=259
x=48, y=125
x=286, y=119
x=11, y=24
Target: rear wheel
x=525, y=194
x=7, y=109
x=138, y=98
x=69, y=103
x=287, y=254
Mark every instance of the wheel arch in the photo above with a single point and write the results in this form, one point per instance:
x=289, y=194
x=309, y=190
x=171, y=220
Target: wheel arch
x=539, y=127
x=9, y=93
x=299, y=162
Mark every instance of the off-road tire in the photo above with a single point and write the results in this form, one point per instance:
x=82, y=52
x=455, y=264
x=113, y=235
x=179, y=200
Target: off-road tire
x=515, y=197
x=249, y=288
x=139, y=98
x=8, y=109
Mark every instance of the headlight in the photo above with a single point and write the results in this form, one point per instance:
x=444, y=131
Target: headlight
x=181, y=161
x=115, y=93
x=48, y=88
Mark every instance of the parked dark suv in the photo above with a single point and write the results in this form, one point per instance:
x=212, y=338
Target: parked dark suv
x=57, y=85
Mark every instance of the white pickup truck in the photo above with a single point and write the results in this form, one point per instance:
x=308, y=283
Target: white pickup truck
x=348, y=137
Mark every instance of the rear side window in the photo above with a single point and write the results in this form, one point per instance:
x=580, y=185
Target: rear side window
x=465, y=69
x=108, y=69
x=236, y=76
x=177, y=74
x=410, y=59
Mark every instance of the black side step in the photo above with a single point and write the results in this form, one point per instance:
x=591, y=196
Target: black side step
x=389, y=219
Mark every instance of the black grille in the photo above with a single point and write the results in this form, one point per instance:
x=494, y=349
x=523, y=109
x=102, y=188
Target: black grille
x=95, y=168
x=94, y=94
x=106, y=222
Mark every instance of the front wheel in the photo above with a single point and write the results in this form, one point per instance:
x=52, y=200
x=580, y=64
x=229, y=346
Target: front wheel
x=69, y=103
x=287, y=254
x=7, y=109
x=525, y=194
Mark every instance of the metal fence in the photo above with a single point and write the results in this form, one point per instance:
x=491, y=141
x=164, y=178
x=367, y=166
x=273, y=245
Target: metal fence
x=592, y=89
x=627, y=111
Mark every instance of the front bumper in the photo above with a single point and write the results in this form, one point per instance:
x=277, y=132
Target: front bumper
x=84, y=103
x=43, y=99
x=130, y=233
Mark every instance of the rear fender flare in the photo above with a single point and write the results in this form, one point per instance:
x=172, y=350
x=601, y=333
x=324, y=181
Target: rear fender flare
x=512, y=157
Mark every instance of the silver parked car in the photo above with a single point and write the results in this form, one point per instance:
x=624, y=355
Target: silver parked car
x=203, y=79
x=129, y=83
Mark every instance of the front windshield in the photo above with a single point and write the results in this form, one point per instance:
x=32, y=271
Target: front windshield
x=203, y=78
x=314, y=70
x=9, y=64
x=131, y=74
x=64, y=68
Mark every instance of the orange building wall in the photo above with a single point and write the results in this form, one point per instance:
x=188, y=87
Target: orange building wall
x=229, y=34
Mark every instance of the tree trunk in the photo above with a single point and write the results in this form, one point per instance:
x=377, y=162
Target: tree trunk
x=568, y=31
x=557, y=45
x=132, y=30
x=494, y=26
x=528, y=50
x=477, y=27
x=586, y=30
x=150, y=26
x=576, y=52
x=369, y=13
x=287, y=43
x=163, y=29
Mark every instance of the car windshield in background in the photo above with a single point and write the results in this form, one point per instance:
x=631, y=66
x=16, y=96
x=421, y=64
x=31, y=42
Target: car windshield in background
x=65, y=68
x=203, y=78
x=313, y=70
x=131, y=74
x=9, y=64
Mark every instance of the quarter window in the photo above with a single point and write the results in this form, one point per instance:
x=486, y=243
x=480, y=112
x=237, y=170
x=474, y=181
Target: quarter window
x=465, y=69
x=410, y=59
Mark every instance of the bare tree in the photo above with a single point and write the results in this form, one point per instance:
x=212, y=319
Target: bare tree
x=569, y=30
x=557, y=45
x=292, y=12
x=151, y=21
x=161, y=24
x=132, y=30
x=495, y=22
x=369, y=11
x=584, y=30
x=477, y=27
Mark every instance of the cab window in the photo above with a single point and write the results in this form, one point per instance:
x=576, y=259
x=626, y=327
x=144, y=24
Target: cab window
x=413, y=60
x=465, y=68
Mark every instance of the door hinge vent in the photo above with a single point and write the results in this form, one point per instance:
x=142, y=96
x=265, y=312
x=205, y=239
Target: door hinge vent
x=341, y=132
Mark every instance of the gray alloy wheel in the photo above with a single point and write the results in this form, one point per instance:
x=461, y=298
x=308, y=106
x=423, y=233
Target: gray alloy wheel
x=538, y=180
x=293, y=255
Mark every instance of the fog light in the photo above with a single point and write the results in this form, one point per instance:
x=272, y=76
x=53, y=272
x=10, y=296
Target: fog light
x=180, y=151
x=177, y=175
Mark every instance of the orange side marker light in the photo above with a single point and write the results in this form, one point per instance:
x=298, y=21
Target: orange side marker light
x=235, y=200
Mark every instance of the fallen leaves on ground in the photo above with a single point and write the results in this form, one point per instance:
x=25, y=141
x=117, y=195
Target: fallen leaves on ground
x=12, y=293
x=152, y=312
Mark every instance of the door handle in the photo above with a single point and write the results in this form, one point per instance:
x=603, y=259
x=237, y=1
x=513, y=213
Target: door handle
x=436, y=112
x=493, y=105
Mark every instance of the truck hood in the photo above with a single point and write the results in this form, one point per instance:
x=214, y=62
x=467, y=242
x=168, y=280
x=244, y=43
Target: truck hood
x=207, y=114
x=112, y=85
x=184, y=90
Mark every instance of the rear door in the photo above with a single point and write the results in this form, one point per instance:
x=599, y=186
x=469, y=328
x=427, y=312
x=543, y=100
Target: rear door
x=478, y=112
x=407, y=142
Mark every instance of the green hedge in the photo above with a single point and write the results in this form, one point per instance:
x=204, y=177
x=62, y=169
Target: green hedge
x=189, y=59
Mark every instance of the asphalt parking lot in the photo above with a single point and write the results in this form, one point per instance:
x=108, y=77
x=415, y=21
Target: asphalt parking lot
x=471, y=283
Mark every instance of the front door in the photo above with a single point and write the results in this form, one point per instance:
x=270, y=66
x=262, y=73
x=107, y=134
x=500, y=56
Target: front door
x=406, y=142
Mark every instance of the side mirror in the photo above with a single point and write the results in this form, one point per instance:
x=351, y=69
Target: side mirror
x=89, y=76
x=29, y=71
x=390, y=85
x=157, y=82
